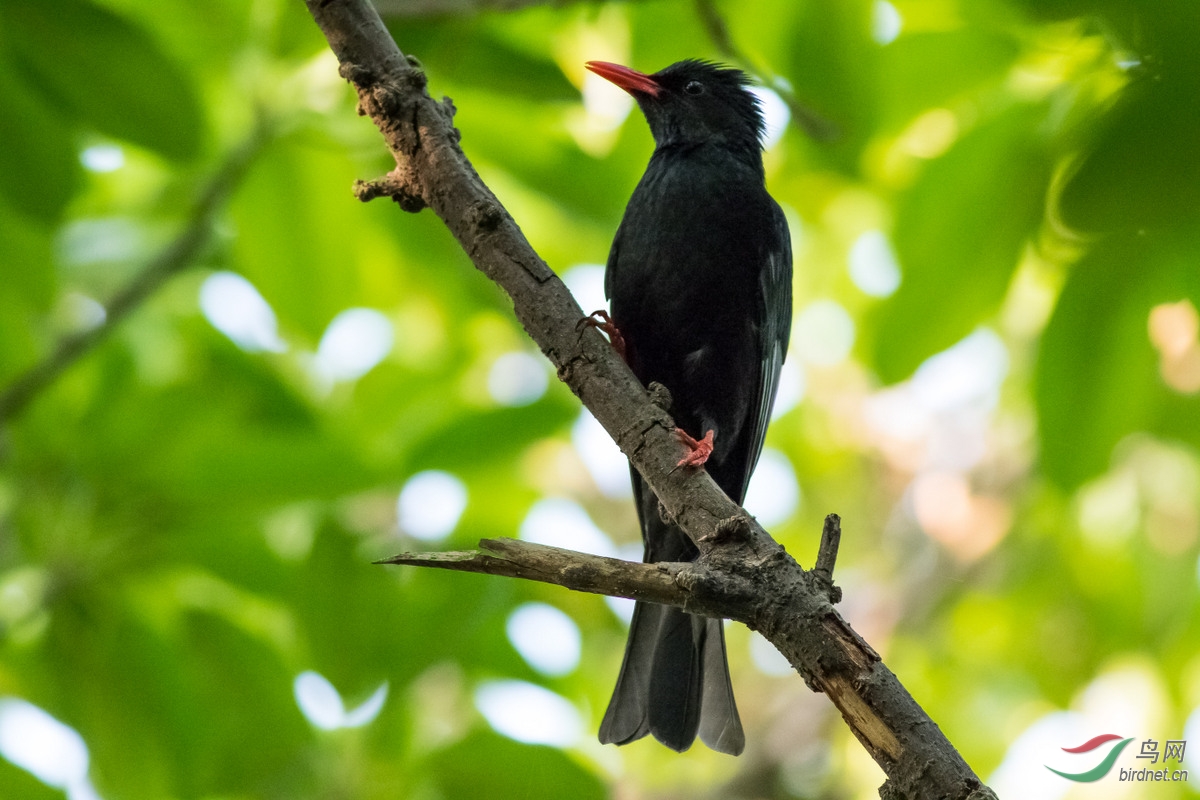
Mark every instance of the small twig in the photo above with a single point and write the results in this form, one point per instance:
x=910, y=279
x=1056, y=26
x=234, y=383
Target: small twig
x=831, y=539
x=175, y=257
x=827, y=553
x=389, y=186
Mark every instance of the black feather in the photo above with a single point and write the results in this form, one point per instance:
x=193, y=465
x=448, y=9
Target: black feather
x=699, y=280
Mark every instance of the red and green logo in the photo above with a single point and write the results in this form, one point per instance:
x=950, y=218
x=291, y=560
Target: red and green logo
x=1091, y=745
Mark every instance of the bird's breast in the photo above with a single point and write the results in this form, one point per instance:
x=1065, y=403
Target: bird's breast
x=694, y=235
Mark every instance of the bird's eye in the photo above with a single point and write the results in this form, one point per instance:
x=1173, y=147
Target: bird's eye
x=694, y=87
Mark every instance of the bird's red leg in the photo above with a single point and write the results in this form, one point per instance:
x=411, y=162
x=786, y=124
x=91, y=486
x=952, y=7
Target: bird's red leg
x=698, y=449
x=602, y=321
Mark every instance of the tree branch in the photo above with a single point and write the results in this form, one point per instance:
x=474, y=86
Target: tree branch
x=746, y=574
x=512, y=558
x=171, y=260
x=831, y=540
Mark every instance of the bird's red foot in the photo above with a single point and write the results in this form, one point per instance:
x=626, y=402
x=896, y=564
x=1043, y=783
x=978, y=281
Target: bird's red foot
x=698, y=450
x=602, y=321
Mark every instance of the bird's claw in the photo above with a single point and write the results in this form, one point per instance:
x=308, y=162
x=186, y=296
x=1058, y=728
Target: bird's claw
x=602, y=321
x=698, y=449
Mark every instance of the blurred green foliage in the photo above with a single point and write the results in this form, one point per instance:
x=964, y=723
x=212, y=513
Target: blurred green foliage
x=187, y=525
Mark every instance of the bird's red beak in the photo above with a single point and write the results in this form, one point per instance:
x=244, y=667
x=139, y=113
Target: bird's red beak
x=628, y=79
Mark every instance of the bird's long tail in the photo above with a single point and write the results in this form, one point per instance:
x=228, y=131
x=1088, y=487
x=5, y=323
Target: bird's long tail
x=674, y=680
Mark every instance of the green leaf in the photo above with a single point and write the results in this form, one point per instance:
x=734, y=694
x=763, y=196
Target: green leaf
x=106, y=73
x=924, y=70
x=291, y=213
x=834, y=70
x=464, y=50
x=511, y=771
x=1143, y=169
x=16, y=782
x=959, y=235
x=1097, y=377
x=27, y=255
x=39, y=167
x=28, y=288
x=506, y=432
x=184, y=695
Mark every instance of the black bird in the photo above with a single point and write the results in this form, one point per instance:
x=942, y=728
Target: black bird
x=699, y=280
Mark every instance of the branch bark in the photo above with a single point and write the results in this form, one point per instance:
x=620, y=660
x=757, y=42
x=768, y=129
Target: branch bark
x=582, y=572
x=742, y=573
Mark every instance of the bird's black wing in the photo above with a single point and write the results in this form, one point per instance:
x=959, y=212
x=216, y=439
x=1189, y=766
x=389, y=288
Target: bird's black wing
x=775, y=298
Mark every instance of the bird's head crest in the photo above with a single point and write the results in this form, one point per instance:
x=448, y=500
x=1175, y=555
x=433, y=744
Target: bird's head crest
x=693, y=101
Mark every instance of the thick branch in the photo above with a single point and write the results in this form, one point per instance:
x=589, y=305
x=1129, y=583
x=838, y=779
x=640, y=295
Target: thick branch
x=747, y=575
x=176, y=256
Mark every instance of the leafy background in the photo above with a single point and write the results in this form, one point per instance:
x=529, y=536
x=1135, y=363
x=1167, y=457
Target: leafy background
x=993, y=380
